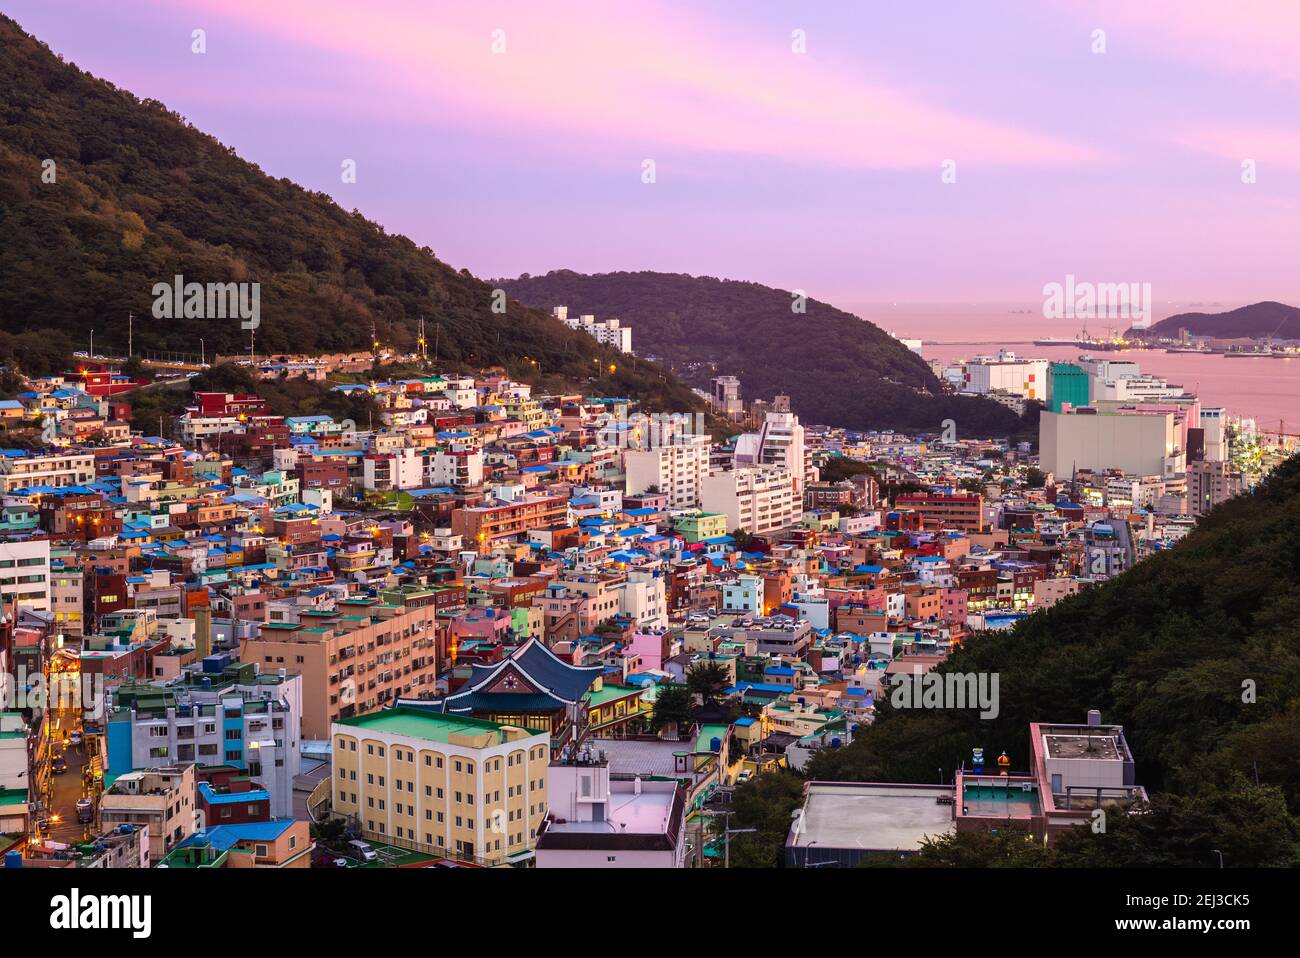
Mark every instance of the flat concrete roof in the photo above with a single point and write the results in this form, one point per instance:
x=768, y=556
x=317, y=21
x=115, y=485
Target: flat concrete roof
x=649, y=813
x=1098, y=747
x=872, y=817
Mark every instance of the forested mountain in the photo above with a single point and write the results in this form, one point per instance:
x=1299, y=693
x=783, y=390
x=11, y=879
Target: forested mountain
x=135, y=195
x=1253, y=321
x=836, y=368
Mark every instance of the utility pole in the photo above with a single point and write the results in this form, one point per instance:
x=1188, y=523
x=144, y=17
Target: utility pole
x=727, y=832
x=726, y=863
x=202, y=353
x=130, y=334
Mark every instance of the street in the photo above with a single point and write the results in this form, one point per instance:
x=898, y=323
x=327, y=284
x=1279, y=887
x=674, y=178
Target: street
x=67, y=786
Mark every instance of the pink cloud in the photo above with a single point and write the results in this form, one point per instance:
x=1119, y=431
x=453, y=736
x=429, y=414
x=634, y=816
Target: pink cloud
x=1269, y=148
x=636, y=74
x=1255, y=37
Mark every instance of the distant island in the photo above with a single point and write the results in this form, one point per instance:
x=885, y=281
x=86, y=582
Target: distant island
x=1255, y=321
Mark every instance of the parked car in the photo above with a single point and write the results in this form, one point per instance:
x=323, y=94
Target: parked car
x=85, y=810
x=362, y=850
x=74, y=738
x=59, y=766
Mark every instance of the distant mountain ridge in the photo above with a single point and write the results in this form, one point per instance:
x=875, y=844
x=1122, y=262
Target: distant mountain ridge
x=1253, y=322
x=837, y=368
x=136, y=196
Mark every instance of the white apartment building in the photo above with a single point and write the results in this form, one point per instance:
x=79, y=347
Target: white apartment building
x=412, y=468
x=1107, y=370
x=757, y=500
x=1135, y=389
x=461, y=392
x=461, y=469
x=677, y=470
x=194, y=428
x=643, y=598
x=1007, y=373
x=779, y=442
x=21, y=470
x=1141, y=492
x=25, y=573
x=607, y=332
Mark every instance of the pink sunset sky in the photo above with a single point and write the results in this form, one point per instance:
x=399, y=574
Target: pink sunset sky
x=818, y=170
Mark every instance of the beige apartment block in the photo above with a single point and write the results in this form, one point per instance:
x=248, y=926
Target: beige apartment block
x=442, y=784
x=357, y=658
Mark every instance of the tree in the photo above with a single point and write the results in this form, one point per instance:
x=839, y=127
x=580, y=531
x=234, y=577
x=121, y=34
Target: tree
x=708, y=680
x=1007, y=848
x=743, y=539
x=1247, y=823
x=765, y=803
x=1035, y=478
x=672, y=707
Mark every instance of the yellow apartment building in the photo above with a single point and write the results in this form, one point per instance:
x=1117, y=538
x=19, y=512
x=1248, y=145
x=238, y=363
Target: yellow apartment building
x=442, y=784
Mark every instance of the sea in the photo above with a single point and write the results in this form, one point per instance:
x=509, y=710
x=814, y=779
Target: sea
x=1264, y=389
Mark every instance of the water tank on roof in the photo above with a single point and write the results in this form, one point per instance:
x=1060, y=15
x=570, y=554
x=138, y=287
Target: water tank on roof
x=715, y=744
x=835, y=742
x=13, y=859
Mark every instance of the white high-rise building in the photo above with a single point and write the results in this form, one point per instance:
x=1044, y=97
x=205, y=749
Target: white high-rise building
x=609, y=332
x=755, y=499
x=779, y=442
x=1214, y=422
x=677, y=470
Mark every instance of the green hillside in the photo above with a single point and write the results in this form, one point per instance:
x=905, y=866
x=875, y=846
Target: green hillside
x=1195, y=651
x=837, y=369
x=140, y=196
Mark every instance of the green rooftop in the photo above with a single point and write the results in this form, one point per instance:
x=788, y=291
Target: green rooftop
x=609, y=693
x=420, y=723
